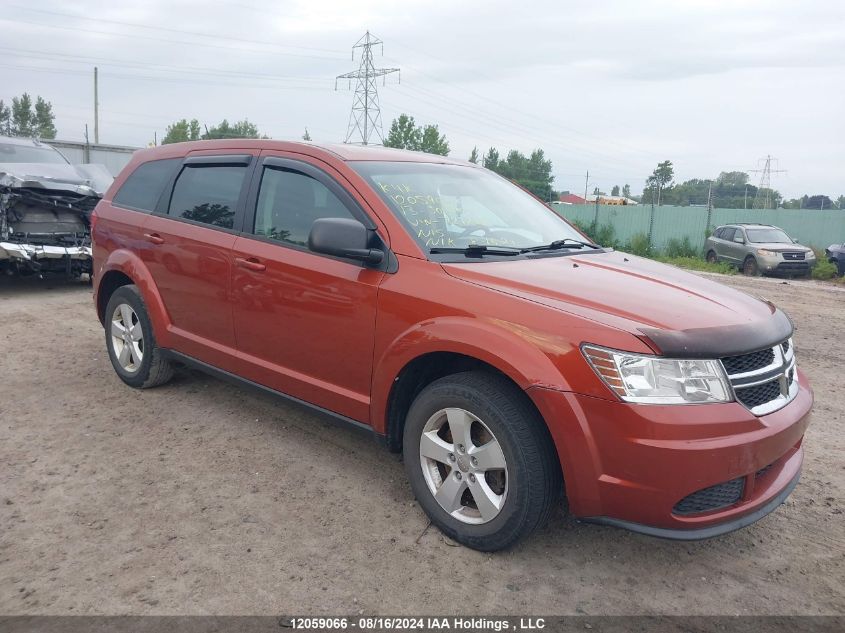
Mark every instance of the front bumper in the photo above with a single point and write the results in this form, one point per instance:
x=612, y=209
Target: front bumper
x=786, y=267
x=632, y=465
x=45, y=257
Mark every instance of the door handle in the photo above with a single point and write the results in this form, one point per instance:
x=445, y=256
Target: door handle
x=155, y=238
x=250, y=264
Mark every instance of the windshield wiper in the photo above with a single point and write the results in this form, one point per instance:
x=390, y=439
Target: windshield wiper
x=476, y=249
x=559, y=244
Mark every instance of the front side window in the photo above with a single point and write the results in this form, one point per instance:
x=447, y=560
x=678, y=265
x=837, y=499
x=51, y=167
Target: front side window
x=144, y=185
x=208, y=194
x=768, y=236
x=457, y=206
x=289, y=202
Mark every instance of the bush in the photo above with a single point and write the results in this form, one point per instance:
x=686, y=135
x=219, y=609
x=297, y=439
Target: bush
x=696, y=263
x=603, y=234
x=824, y=269
x=680, y=248
x=638, y=245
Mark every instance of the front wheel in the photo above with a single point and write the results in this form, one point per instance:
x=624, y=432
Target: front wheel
x=750, y=267
x=480, y=460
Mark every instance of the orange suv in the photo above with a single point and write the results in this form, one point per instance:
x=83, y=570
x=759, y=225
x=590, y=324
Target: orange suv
x=461, y=322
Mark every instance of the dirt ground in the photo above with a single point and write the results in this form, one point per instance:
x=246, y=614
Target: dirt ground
x=202, y=498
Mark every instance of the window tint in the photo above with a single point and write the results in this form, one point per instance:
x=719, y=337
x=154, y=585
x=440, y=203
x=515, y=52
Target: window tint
x=288, y=204
x=728, y=233
x=208, y=194
x=144, y=185
x=719, y=232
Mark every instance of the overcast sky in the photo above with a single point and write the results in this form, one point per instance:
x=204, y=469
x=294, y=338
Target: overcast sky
x=613, y=87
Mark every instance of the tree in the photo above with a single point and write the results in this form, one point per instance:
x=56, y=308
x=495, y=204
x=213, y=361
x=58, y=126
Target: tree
x=660, y=178
x=626, y=191
x=818, y=201
x=732, y=178
x=404, y=133
x=306, y=136
x=473, y=157
x=185, y=130
x=23, y=118
x=241, y=129
x=840, y=202
x=433, y=142
x=5, y=119
x=532, y=172
x=615, y=190
x=44, y=119
x=491, y=159
x=182, y=131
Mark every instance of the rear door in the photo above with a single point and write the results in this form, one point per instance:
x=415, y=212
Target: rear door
x=189, y=241
x=723, y=243
x=304, y=322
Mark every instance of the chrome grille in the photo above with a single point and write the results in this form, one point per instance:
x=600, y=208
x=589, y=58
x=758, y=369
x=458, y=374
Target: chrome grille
x=764, y=381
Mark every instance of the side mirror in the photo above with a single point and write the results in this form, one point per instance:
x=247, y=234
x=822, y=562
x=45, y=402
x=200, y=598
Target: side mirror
x=343, y=237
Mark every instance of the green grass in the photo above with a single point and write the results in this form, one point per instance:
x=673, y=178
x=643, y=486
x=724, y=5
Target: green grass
x=824, y=269
x=696, y=263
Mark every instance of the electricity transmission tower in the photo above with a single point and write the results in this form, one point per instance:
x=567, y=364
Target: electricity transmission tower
x=763, y=196
x=365, y=118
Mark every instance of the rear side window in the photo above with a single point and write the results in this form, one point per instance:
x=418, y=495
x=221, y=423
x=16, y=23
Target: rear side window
x=144, y=186
x=719, y=232
x=288, y=204
x=728, y=233
x=208, y=194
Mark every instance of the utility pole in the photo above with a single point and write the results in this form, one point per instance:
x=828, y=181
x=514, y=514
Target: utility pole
x=96, y=110
x=745, y=202
x=365, y=117
x=586, y=184
x=763, y=196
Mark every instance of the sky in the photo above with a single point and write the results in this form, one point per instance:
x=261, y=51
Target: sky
x=613, y=87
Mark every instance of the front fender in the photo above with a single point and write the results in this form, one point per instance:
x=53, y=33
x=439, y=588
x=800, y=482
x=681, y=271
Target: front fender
x=128, y=263
x=509, y=348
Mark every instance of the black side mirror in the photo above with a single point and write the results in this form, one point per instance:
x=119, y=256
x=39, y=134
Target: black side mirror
x=343, y=237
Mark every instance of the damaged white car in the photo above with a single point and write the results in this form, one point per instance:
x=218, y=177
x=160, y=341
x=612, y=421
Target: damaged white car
x=45, y=209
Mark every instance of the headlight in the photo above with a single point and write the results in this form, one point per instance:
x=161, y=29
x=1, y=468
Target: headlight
x=811, y=255
x=765, y=253
x=657, y=380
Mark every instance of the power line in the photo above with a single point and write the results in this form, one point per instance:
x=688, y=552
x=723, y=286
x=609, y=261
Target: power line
x=365, y=117
x=164, y=29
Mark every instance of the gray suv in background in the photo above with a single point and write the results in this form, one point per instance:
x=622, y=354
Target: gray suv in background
x=759, y=248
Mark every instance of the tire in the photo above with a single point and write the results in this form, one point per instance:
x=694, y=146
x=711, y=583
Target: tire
x=490, y=412
x=152, y=368
x=750, y=267
x=711, y=257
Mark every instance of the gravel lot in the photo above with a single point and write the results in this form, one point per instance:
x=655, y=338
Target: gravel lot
x=199, y=497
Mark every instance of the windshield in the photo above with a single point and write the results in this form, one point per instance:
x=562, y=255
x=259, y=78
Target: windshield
x=768, y=236
x=13, y=153
x=456, y=206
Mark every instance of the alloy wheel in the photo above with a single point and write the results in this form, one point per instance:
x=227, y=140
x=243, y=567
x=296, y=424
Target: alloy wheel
x=463, y=466
x=127, y=338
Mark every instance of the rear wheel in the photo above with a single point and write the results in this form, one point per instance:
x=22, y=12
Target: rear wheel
x=132, y=348
x=480, y=460
x=750, y=267
x=711, y=257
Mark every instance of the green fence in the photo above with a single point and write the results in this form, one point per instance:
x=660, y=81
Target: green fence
x=818, y=229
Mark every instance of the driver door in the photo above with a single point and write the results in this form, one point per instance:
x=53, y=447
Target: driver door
x=304, y=322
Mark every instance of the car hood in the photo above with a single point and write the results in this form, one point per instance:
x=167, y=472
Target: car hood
x=83, y=180
x=678, y=312
x=779, y=247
